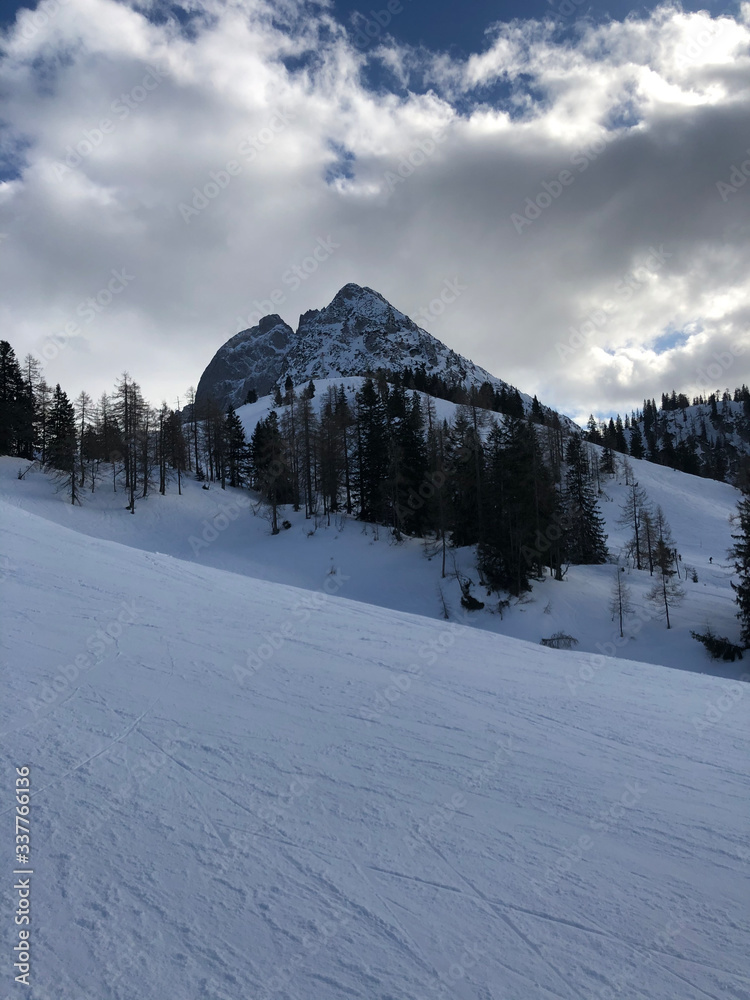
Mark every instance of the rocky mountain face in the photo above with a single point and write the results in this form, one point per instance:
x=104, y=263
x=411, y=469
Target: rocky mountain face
x=357, y=333
x=252, y=359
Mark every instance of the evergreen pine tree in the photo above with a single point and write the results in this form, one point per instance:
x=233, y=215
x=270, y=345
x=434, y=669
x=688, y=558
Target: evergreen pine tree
x=235, y=444
x=585, y=541
x=345, y=422
x=593, y=433
x=518, y=500
x=407, y=461
x=16, y=406
x=269, y=469
x=463, y=453
x=637, y=449
x=610, y=434
x=372, y=453
x=331, y=460
x=414, y=451
x=62, y=451
x=435, y=493
x=620, y=444
x=740, y=553
x=607, y=464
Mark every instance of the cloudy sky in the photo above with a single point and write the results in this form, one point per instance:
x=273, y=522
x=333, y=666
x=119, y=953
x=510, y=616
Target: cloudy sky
x=557, y=190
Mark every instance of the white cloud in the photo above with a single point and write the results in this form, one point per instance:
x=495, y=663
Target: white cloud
x=643, y=118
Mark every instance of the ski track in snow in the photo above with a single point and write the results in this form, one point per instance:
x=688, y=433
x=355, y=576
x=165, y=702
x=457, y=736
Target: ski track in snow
x=200, y=837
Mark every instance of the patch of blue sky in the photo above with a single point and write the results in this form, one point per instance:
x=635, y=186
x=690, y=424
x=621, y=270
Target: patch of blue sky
x=343, y=166
x=299, y=62
x=670, y=339
x=12, y=153
x=461, y=29
x=191, y=17
x=624, y=116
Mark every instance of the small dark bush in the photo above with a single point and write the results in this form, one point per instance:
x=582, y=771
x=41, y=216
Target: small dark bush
x=560, y=640
x=718, y=646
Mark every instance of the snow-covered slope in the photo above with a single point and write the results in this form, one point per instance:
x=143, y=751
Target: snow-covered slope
x=243, y=790
x=714, y=437
x=697, y=509
x=358, y=332
x=220, y=529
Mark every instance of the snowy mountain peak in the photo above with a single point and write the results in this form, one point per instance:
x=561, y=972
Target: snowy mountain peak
x=358, y=332
x=358, y=299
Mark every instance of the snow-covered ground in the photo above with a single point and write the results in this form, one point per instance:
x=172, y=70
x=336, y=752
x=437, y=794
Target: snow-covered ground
x=219, y=528
x=246, y=790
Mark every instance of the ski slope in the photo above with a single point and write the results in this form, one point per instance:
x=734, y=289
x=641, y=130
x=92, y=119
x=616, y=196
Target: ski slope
x=244, y=790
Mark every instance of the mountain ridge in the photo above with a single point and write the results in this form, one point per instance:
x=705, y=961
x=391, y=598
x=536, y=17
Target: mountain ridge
x=357, y=333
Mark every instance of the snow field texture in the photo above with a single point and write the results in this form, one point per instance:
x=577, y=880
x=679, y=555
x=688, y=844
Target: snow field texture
x=245, y=788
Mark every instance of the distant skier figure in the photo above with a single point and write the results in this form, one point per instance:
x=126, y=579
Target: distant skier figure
x=710, y=559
